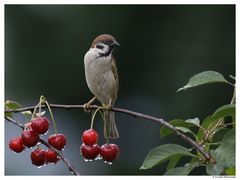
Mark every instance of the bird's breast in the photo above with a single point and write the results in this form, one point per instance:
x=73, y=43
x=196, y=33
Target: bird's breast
x=100, y=78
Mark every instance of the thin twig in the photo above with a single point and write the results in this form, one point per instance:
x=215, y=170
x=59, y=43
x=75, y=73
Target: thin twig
x=59, y=153
x=132, y=113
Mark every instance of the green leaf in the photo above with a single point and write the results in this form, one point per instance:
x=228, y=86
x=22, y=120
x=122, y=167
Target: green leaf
x=186, y=130
x=231, y=76
x=175, y=122
x=40, y=114
x=224, y=155
x=173, y=161
x=214, y=169
x=163, y=153
x=11, y=105
x=230, y=171
x=8, y=114
x=202, y=78
x=164, y=131
x=194, y=121
x=224, y=111
x=27, y=113
x=220, y=133
x=183, y=170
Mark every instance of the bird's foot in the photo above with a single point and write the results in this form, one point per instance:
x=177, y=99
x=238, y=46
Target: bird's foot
x=87, y=105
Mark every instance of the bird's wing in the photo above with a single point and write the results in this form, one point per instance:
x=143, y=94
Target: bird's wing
x=115, y=73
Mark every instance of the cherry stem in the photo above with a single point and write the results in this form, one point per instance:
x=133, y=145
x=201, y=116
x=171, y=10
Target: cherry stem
x=93, y=116
x=35, y=109
x=40, y=107
x=51, y=114
x=107, y=140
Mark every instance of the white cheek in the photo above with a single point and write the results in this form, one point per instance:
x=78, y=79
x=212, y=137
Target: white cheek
x=91, y=54
x=105, y=49
x=101, y=51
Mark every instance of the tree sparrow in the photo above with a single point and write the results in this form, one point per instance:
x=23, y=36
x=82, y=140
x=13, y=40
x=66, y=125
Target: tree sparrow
x=102, y=78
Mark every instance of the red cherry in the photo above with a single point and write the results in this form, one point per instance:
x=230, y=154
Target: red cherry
x=40, y=125
x=51, y=156
x=38, y=157
x=90, y=152
x=30, y=138
x=109, y=152
x=58, y=141
x=16, y=144
x=90, y=137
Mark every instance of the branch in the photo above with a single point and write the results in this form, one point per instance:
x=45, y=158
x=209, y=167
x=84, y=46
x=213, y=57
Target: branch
x=131, y=113
x=59, y=153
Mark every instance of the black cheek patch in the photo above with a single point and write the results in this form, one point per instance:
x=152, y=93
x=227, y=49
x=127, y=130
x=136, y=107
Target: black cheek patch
x=99, y=46
x=107, y=53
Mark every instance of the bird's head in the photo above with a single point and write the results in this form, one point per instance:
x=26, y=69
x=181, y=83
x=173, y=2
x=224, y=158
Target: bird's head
x=104, y=44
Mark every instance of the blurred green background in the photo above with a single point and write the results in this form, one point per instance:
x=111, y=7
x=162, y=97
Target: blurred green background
x=162, y=46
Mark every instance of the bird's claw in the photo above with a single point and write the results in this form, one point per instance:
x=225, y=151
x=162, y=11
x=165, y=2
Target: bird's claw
x=86, y=107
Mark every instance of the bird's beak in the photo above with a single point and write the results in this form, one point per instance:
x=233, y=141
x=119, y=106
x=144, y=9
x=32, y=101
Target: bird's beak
x=115, y=44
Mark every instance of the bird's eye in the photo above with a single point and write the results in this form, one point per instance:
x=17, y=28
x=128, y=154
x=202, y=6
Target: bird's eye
x=99, y=46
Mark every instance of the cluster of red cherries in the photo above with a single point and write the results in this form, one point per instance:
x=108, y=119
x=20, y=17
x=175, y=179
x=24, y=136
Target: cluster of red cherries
x=90, y=150
x=30, y=138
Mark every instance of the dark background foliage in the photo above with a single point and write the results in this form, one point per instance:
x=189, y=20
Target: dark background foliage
x=161, y=47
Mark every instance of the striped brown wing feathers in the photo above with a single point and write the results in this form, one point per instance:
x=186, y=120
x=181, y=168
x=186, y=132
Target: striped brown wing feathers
x=115, y=73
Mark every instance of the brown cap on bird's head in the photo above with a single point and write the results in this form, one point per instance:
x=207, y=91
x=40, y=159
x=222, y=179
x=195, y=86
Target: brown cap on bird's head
x=106, y=39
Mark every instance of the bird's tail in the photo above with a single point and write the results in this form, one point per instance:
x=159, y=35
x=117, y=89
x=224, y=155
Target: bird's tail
x=110, y=129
